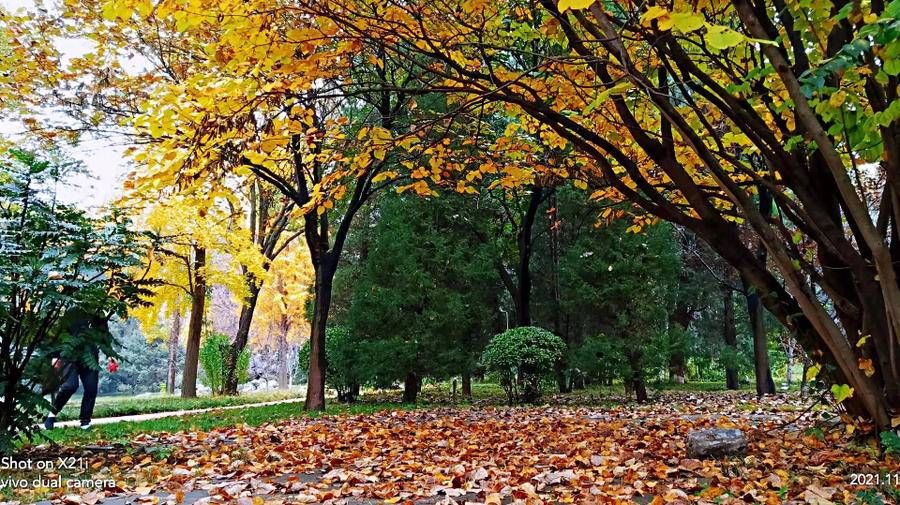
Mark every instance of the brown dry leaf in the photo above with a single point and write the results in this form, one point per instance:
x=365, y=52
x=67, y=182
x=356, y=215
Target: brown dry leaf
x=817, y=495
x=493, y=499
x=711, y=493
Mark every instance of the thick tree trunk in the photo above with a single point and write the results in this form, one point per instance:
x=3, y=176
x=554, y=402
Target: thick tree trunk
x=172, y=362
x=729, y=331
x=578, y=381
x=764, y=383
x=318, y=364
x=195, y=327
x=231, y=379
x=677, y=368
x=636, y=366
x=411, y=386
x=467, y=384
x=562, y=379
x=679, y=322
x=523, y=270
x=629, y=387
x=763, y=372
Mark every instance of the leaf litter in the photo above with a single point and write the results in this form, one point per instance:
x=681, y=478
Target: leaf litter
x=493, y=455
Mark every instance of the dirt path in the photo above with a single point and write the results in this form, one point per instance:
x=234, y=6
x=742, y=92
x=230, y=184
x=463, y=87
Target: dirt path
x=174, y=413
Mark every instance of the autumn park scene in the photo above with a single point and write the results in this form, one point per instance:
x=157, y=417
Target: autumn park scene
x=449, y=252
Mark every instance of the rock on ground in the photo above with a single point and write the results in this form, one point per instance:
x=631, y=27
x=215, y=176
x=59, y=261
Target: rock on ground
x=716, y=442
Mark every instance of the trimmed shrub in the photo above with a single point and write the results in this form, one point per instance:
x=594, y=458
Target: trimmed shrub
x=522, y=357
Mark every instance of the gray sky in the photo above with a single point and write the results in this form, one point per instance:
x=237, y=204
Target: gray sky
x=103, y=158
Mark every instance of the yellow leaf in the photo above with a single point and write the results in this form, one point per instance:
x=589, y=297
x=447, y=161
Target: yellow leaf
x=812, y=371
x=604, y=95
x=722, y=37
x=841, y=392
x=652, y=13
x=862, y=340
x=470, y=6
x=665, y=23
x=837, y=98
x=381, y=135
x=687, y=22
x=383, y=176
x=575, y=5
x=458, y=58
x=407, y=142
x=375, y=60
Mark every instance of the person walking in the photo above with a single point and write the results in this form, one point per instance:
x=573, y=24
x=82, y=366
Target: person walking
x=82, y=364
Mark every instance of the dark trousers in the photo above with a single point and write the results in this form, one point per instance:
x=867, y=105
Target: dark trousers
x=89, y=379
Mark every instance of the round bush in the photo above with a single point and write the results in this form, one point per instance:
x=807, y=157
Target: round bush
x=521, y=357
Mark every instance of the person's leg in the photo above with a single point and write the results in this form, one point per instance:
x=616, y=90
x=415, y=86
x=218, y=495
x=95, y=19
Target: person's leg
x=68, y=388
x=89, y=380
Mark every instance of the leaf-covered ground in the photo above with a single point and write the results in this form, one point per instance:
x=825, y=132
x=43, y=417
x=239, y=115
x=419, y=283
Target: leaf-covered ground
x=552, y=454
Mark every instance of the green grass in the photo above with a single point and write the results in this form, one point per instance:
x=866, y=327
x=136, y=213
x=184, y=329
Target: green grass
x=123, y=432
x=698, y=386
x=114, y=406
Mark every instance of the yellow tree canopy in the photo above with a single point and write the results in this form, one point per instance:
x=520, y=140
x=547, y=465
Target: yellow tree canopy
x=283, y=300
x=182, y=224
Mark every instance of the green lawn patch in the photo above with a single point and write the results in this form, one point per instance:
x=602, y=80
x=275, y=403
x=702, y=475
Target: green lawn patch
x=123, y=432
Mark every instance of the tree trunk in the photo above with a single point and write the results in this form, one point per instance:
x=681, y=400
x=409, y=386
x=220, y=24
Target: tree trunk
x=762, y=371
x=523, y=270
x=172, y=363
x=730, y=331
x=804, y=384
x=679, y=322
x=562, y=379
x=562, y=374
x=231, y=379
x=284, y=376
x=195, y=326
x=411, y=386
x=789, y=372
x=318, y=363
x=467, y=384
x=677, y=368
x=8, y=405
x=636, y=366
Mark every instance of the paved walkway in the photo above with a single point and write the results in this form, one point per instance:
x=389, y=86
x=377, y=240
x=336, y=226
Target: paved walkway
x=175, y=413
